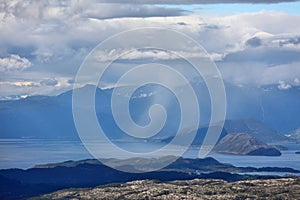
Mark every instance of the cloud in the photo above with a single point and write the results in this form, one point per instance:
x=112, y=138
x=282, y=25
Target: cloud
x=14, y=63
x=259, y=74
x=283, y=86
x=182, y=2
x=16, y=89
x=109, y=11
x=182, y=23
x=49, y=82
x=271, y=49
x=267, y=55
x=25, y=84
x=297, y=81
x=254, y=42
x=51, y=39
x=150, y=54
x=57, y=10
x=212, y=26
x=293, y=41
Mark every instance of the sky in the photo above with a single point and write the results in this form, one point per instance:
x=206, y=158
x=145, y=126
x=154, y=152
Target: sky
x=43, y=43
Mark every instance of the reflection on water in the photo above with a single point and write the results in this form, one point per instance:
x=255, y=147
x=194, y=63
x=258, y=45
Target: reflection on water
x=25, y=153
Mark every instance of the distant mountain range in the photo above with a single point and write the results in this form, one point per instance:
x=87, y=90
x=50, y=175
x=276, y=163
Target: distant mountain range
x=256, y=128
x=19, y=184
x=51, y=116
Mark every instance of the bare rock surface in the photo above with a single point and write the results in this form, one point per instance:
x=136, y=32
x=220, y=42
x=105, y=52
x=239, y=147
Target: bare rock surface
x=284, y=188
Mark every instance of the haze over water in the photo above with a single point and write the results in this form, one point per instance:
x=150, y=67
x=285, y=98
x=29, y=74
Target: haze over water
x=25, y=153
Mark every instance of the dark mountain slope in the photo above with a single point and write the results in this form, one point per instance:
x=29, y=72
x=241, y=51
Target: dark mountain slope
x=18, y=183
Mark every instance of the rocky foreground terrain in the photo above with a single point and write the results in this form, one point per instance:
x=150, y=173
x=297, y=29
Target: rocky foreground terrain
x=284, y=188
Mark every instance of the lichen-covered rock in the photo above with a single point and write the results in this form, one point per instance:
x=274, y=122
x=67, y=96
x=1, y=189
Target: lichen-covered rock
x=284, y=188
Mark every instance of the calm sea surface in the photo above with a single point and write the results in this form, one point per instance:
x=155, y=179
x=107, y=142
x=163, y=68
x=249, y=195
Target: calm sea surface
x=25, y=153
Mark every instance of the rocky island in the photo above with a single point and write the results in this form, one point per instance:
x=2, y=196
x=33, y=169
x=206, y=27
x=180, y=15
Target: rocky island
x=245, y=144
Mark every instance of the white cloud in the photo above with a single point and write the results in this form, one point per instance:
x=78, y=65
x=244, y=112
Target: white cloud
x=155, y=54
x=296, y=81
x=25, y=84
x=17, y=87
x=258, y=74
x=54, y=37
x=283, y=86
x=14, y=63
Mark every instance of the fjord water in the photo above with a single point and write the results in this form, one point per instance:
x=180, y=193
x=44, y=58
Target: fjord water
x=25, y=153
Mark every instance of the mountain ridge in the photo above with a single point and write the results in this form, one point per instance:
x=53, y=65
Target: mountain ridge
x=51, y=117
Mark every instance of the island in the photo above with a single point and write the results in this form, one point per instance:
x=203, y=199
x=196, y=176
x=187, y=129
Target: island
x=42, y=179
x=245, y=144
